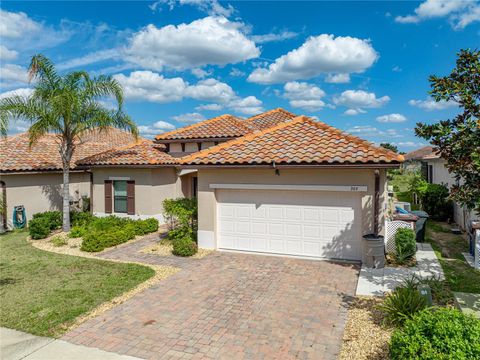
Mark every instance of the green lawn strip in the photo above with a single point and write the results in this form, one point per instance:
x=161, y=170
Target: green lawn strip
x=42, y=293
x=448, y=247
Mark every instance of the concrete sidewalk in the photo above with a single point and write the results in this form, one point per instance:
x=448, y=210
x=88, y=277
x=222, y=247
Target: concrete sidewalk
x=16, y=345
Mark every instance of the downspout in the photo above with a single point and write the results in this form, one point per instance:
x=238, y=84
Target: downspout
x=376, y=202
x=91, y=190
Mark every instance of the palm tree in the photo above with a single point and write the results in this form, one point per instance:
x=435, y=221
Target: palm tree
x=68, y=105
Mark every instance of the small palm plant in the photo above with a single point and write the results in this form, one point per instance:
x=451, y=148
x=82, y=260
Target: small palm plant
x=68, y=105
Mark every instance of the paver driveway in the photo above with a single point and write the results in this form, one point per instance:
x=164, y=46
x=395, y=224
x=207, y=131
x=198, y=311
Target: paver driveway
x=231, y=306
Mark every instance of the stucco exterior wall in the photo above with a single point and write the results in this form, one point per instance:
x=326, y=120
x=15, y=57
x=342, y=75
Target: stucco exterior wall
x=42, y=192
x=152, y=186
x=440, y=174
x=207, y=198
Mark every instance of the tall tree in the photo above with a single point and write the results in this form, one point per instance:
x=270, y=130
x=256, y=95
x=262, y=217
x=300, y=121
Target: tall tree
x=389, y=146
x=68, y=105
x=457, y=140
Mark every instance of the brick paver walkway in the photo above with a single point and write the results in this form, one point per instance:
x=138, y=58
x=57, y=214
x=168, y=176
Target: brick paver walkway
x=229, y=306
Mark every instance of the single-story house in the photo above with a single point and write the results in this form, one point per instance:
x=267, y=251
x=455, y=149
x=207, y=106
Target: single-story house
x=274, y=183
x=435, y=172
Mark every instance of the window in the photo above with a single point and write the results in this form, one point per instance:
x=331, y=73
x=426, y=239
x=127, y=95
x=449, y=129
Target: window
x=120, y=196
x=430, y=174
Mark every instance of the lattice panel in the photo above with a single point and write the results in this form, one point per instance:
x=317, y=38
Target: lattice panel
x=391, y=228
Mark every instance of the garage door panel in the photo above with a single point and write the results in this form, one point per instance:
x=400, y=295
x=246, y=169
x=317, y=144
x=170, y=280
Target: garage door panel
x=319, y=224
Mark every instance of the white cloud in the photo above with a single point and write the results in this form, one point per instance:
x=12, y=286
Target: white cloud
x=155, y=128
x=200, y=73
x=358, y=100
x=319, y=54
x=353, y=112
x=430, y=104
x=396, y=68
x=372, y=131
x=189, y=117
x=24, y=92
x=6, y=54
x=94, y=57
x=209, y=107
x=236, y=72
x=272, y=37
x=19, y=31
x=13, y=75
x=211, y=40
x=211, y=90
x=409, y=144
x=337, y=78
x=211, y=7
x=459, y=13
x=304, y=96
x=151, y=86
x=391, y=118
x=249, y=105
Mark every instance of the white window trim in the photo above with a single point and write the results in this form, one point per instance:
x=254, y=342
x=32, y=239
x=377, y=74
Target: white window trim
x=345, y=188
x=119, y=178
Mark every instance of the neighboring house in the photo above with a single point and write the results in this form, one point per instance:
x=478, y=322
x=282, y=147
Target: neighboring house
x=274, y=183
x=435, y=172
x=413, y=160
x=32, y=176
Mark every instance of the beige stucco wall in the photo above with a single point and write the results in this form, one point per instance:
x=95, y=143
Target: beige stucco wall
x=440, y=174
x=42, y=192
x=207, y=199
x=152, y=186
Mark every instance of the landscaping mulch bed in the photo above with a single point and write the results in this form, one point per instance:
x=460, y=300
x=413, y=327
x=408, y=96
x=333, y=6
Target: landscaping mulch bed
x=165, y=247
x=365, y=336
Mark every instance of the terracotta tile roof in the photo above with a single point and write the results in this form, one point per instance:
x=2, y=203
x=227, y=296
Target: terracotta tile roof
x=16, y=155
x=298, y=141
x=268, y=119
x=425, y=152
x=144, y=152
x=224, y=126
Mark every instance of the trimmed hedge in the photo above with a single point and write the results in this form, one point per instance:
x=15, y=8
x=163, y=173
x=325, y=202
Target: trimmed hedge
x=39, y=228
x=110, y=231
x=441, y=334
x=184, y=247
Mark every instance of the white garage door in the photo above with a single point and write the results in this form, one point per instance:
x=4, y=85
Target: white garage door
x=306, y=223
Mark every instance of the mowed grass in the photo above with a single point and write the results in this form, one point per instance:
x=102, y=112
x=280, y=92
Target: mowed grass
x=449, y=247
x=42, y=293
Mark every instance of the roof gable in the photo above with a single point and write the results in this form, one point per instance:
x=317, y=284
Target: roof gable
x=298, y=141
x=144, y=152
x=268, y=119
x=17, y=155
x=224, y=126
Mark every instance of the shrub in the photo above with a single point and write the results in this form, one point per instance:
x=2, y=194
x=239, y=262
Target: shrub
x=150, y=225
x=180, y=233
x=434, y=199
x=404, y=244
x=59, y=240
x=77, y=232
x=402, y=304
x=53, y=218
x=93, y=242
x=78, y=218
x=441, y=334
x=39, y=228
x=181, y=212
x=184, y=247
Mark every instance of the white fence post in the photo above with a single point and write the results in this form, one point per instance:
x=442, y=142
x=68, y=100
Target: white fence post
x=476, y=250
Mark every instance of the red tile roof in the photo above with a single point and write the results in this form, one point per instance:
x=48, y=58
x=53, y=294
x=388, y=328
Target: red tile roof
x=145, y=152
x=16, y=155
x=298, y=141
x=425, y=152
x=224, y=126
x=268, y=119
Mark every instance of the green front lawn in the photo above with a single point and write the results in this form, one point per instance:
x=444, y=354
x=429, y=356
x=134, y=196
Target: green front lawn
x=449, y=247
x=42, y=293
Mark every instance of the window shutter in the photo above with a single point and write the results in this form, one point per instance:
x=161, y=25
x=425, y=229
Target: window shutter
x=131, y=197
x=108, y=196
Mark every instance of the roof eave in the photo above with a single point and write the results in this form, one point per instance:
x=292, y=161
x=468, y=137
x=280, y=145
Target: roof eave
x=392, y=165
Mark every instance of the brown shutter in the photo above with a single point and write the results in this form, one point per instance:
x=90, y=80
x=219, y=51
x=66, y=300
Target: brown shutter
x=108, y=196
x=131, y=197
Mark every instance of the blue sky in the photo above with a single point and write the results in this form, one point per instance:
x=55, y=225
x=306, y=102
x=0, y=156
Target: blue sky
x=360, y=66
